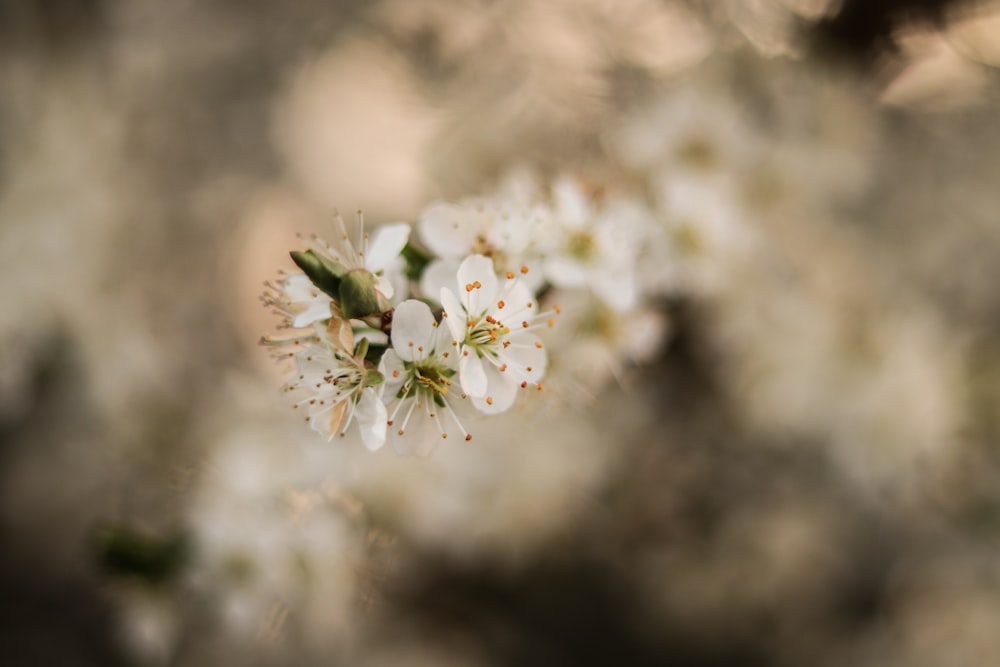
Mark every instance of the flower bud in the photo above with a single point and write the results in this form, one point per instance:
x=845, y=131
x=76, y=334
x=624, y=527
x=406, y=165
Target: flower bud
x=357, y=293
x=324, y=273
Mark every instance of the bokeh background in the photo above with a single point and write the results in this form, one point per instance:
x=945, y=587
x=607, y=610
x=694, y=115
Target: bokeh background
x=805, y=471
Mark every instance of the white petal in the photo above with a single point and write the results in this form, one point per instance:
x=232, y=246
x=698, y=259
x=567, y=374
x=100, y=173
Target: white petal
x=515, y=229
x=477, y=268
x=298, y=287
x=327, y=419
x=455, y=314
x=519, y=305
x=438, y=274
x=501, y=392
x=374, y=337
x=472, y=374
x=371, y=416
x=617, y=288
x=316, y=312
x=522, y=354
x=571, y=205
x=386, y=245
x=446, y=348
x=392, y=369
x=383, y=285
x=395, y=274
x=450, y=230
x=565, y=272
x=421, y=434
x=412, y=330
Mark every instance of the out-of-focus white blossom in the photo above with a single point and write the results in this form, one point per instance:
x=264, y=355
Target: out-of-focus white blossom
x=604, y=343
x=584, y=246
x=703, y=235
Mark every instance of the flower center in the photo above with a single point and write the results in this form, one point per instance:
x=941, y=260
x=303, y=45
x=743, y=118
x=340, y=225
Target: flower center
x=581, y=246
x=426, y=377
x=485, y=335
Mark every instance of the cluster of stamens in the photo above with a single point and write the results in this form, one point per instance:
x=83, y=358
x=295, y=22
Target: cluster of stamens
x=425, y=388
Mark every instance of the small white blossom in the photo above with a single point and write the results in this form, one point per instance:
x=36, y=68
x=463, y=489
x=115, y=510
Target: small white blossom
x=341, y=389
x=704, y=236
x=418, y=385
x=592, y=248
x=492, y=326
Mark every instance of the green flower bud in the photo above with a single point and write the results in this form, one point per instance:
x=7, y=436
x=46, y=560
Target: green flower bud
x=324, y=273
x=357, y=294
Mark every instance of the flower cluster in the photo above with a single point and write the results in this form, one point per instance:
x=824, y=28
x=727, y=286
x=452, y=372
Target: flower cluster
x=369, y=360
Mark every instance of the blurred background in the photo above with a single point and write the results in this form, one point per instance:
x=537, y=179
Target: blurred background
x=805, y=470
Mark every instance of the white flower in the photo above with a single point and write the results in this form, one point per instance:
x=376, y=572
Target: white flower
x=594, y=249
x=492, y=327
x=418, y=387
x=704, y=237
x=342, y=390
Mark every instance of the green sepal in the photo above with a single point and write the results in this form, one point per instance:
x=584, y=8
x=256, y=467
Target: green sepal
x=439, y=400
x=357, y=294
x=324, y=273
x=374, y=378
x=361, y=349
x=416, y=261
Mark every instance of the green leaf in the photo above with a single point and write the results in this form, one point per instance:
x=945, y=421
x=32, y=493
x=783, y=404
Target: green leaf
x=127, y=551
x=324, y=273
x=374, y=378
x=416, y=261
x=357, y=294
